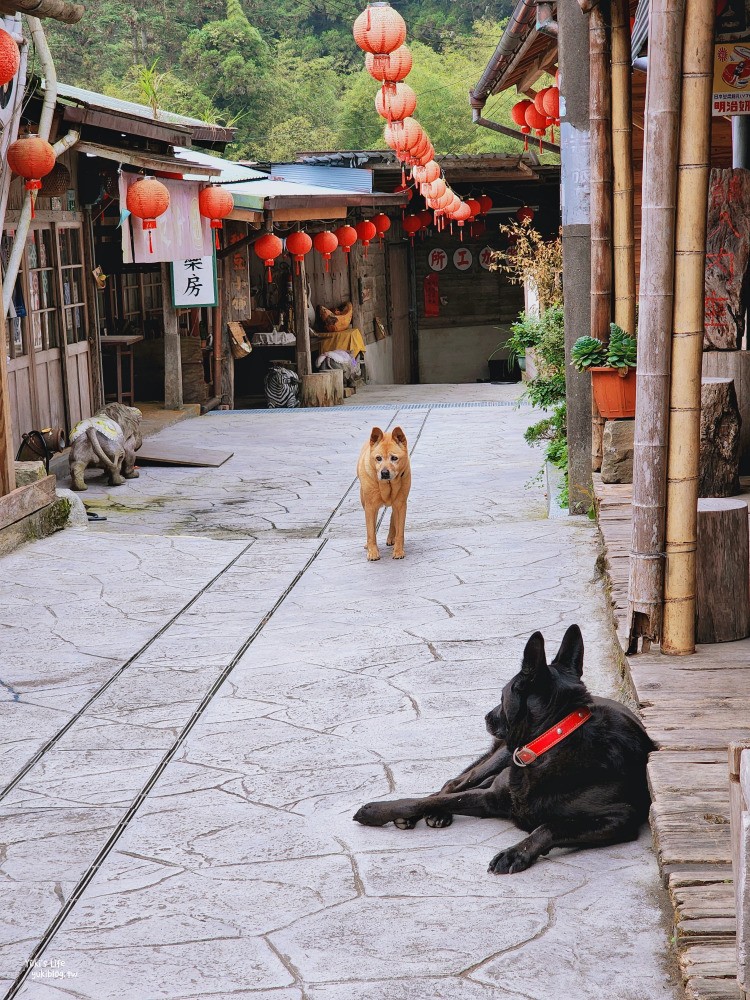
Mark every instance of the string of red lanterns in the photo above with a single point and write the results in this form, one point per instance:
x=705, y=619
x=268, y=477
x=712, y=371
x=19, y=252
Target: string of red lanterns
x=540, y=114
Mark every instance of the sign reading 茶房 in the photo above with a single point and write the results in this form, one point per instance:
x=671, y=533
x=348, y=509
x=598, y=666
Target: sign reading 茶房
x=194, y=282
x=731, y=89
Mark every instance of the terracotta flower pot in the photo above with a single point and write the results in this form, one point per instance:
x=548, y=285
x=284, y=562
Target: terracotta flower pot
x=614, y=391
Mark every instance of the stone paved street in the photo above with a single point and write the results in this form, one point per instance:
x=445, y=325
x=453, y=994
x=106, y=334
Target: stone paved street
x=198, y=693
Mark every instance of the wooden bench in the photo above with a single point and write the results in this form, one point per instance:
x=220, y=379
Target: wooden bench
x=739, y=787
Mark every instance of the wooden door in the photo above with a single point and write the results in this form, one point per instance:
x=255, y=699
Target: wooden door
x=398, y=310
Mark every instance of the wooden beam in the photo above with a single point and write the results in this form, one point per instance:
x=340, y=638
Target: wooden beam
x=301, y=322
x=58, y=10
x=646, y=585
x=681, y=575
x=149, y=161
x=178, y=135
x=7, y=469
x=25, y=500
x=600, y=161
x=550, y=147
x=172, y=354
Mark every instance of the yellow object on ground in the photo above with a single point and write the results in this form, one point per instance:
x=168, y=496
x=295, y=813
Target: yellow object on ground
x=350, y=340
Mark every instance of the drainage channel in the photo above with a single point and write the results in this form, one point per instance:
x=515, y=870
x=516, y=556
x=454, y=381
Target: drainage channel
x=140, y=798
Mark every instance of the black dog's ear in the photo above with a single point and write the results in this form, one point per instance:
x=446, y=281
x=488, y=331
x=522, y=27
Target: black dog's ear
x=570, y=654
x=376, y=435
x=534, y=658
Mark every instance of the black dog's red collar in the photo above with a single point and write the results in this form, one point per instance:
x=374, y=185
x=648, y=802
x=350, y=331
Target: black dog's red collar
x=528, y=754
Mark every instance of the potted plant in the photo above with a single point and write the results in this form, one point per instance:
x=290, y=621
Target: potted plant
x=524, y=336
x=612, y=368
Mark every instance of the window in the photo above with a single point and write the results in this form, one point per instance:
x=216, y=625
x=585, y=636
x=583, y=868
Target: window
x=42, y=305
x=72, y=283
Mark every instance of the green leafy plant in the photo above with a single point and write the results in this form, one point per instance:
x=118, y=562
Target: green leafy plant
x=526, y=332
x=622, y=348
x=588, y=352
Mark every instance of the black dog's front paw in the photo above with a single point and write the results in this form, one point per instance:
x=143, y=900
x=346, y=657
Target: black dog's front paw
x=510, y=861
x=373, y=814
x=405, y=824
x=438, y=821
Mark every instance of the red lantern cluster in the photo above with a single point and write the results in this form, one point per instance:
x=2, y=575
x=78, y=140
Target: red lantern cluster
x=380, y=32
x=540, y=114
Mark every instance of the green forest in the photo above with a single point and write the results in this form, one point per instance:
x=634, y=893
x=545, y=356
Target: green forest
x=285, y=73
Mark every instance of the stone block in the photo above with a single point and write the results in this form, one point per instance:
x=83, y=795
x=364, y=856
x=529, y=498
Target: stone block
x=720, y=439
x=29, y=472
x=617, y=460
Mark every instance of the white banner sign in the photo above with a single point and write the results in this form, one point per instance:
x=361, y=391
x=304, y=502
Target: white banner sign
x=181, y=233
x=194, y=282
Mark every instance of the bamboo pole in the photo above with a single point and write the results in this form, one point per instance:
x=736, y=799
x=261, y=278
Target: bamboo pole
x=600, y=162
x=623, y=225
x=693, y=171
x=646, y=584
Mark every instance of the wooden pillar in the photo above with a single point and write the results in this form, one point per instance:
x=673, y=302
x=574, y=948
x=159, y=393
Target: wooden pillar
x=600, y=115
x=7, y=468
x=573, y=44
x=172, y=355
x=301, y=323
x=683, y=462
x=646, y=584
x=623, y=224
x=95, y=349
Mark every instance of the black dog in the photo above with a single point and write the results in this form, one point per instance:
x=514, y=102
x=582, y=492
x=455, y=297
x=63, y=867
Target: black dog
x=587, y=790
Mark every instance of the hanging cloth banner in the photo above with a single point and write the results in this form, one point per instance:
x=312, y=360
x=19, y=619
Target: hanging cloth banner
x=181, y=233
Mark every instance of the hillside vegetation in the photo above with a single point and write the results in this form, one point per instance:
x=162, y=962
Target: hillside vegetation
x=286, y=73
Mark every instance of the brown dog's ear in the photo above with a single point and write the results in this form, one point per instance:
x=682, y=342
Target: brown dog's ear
x=570, y=654
x=375, y=435
x=398, y=436
x=534, y=657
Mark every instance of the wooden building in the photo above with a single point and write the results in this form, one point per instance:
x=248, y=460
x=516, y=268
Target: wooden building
x=461, y=309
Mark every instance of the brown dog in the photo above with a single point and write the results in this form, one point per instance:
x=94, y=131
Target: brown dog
x=384, y=481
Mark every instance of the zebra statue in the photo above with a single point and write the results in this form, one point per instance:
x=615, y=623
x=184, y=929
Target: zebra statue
x=282, y=388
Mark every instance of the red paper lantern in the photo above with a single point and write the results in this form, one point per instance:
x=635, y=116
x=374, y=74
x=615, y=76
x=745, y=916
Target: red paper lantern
x=10, y=57
x=31, y=158
x=390, y=69
x=325, y=243
x=382, y=224
x=147, y=199
x=404, y=189
x=268, y=248
x=379, y=30
x=525, y=214
x=367, y=232
x=539, y=101
x=518, y=112
x=396, y=104
x=536, y=121
x=347, y=237
x=298, y=244
x=403, y=135
x=552, y=107
x=474, y=207
x=462, y=215
x=412, y=224
x=433, y=189
x=477, y=228
x=486, y=202
x=215, y=203
x=425, y=217
x=427, y=173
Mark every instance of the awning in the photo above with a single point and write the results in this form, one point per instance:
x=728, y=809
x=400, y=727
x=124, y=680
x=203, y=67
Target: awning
x=149, y=161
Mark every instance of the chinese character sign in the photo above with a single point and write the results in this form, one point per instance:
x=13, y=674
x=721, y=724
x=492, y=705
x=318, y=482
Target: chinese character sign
x=731, y=80
x=437, y=259
x=463, y=259
x=194, y=282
